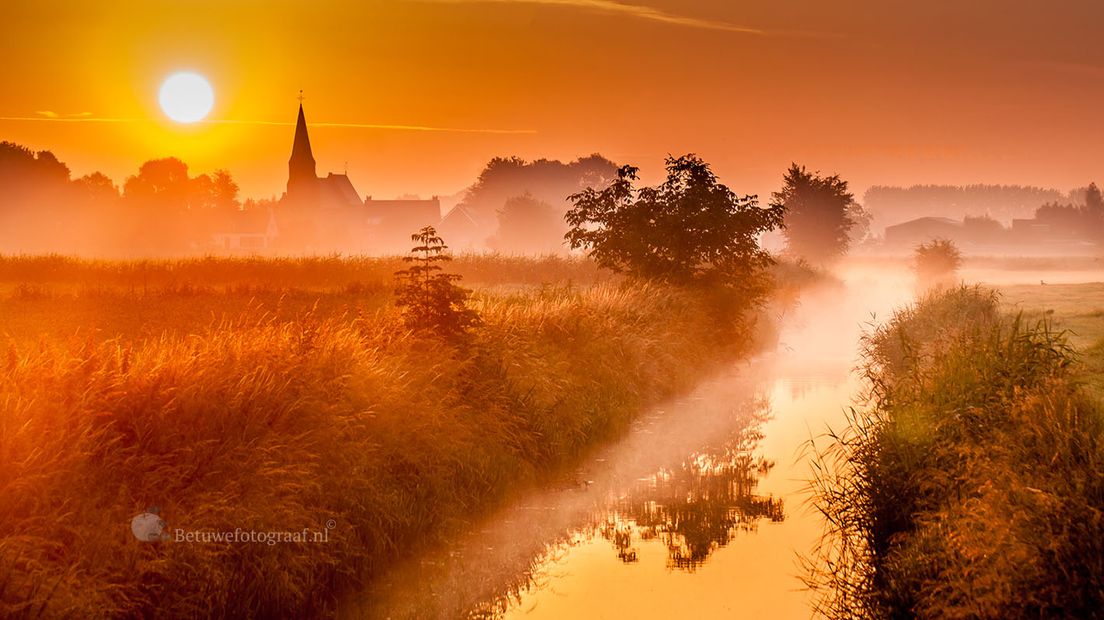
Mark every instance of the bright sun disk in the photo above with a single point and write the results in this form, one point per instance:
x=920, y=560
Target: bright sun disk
x=186, y=97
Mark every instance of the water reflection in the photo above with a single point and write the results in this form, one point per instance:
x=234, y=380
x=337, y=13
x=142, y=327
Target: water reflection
x=692, y=510
x=679, y=487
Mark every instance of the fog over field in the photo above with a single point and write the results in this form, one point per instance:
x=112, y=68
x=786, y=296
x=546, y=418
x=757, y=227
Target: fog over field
x=565, y=309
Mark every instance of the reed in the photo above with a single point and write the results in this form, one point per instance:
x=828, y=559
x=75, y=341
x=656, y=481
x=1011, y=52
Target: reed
x=283, y=420
x=969, y=485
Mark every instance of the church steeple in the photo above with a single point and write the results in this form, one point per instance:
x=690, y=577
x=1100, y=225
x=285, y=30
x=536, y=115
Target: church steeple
x=302, y=175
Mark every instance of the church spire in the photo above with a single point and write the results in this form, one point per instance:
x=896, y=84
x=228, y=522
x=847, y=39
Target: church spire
x=302, y=174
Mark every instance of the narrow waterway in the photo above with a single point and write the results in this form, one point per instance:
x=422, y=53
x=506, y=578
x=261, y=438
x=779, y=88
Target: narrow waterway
x=700, y=511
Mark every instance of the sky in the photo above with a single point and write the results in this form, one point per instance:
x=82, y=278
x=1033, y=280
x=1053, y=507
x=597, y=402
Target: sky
x=415, y=96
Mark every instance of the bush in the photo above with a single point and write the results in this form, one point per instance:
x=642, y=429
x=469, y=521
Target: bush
x=936, y=263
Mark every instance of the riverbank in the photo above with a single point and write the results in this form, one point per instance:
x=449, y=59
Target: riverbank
x=296, y=410
x=970, y=484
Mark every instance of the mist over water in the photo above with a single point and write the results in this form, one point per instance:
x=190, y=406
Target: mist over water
x=702, y=509
x=699, y=511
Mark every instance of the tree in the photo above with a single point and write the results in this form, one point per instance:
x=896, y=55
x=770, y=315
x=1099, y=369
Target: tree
x=97, y=187
x=936, y=262
x=818, y=217
x=549, y=181
x=429, y=297
x=861, y=220
x=528, y=225
x=689, y=230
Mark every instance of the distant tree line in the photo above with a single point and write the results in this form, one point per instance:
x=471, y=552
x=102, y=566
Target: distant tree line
x=515, y=206
x=892, y=205
x=1079, y=220
x=161, y=209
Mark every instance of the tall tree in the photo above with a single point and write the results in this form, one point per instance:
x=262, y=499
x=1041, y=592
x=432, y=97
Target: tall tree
x=691, y=229
x=819, y=214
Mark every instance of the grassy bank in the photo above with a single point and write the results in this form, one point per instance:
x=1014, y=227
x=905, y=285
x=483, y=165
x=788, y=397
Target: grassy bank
x=970, y=485
x=290, y=412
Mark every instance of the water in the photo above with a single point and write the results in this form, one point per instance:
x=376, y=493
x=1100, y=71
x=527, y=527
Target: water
x=702, y=510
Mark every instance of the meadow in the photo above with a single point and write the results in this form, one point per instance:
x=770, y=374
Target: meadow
x=286, y=395
x=968, y=484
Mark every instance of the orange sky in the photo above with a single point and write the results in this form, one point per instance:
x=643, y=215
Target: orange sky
x=880, y=91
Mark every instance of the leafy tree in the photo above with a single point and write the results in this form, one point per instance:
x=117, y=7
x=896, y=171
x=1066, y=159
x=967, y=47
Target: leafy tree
x=819, y=213
x=861, y=220
x=504, y=178
x=690, y=229
x=97, y=187
x=936, y=262
x=528, y=225
x=429, y=297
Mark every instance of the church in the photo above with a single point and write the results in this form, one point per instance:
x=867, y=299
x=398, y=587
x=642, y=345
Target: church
x=327, y=214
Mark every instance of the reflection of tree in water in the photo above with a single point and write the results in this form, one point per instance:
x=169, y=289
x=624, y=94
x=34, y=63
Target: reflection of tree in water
x=695, y=508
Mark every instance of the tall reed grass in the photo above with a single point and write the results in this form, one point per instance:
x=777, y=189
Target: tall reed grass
x=274, y=423
x=970, y=486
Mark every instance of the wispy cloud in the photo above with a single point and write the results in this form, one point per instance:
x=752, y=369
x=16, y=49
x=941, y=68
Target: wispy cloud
x=46, y=116
x=630, y=10
x=50, y=114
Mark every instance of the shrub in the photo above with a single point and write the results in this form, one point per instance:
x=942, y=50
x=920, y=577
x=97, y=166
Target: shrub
x=936, y=263
x=429, y=297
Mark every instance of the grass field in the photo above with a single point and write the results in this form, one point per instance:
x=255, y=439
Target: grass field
x=281, y=395
x=1076, y=308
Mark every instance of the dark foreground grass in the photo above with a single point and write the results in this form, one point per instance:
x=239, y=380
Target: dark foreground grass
x=971, y=486
x=317, y=419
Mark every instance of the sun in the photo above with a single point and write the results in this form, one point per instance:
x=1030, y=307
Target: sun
x=186, y=97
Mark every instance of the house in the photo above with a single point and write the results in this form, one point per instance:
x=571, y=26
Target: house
x=246, y=231
x=922, y=230
x=463, y=229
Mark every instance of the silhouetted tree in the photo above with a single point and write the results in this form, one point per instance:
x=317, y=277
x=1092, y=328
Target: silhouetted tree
x=690, y=229
x=97, y=187
x=172, y=211
x=38, y=206
x=936, y=262
x=861, y=220
x=549, y=181
x=528, y=225
x=429, y=297
x=818, y=214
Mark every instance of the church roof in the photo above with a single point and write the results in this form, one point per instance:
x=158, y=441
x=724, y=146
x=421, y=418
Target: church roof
x=339, y=190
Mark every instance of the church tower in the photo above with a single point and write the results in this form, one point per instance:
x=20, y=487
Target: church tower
x=302, y=177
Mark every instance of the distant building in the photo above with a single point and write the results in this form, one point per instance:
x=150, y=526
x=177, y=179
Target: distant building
x=327, y=213
x=247, y=231
x=922, y=230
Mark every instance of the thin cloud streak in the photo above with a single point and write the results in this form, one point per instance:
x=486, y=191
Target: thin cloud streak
x=424, y=128
x=632, y=10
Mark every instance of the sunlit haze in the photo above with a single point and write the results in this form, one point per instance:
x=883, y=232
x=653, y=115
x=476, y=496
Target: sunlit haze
x=891, y=93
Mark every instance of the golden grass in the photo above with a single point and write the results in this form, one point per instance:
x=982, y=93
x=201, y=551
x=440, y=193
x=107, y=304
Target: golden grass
x=971, y=486
x=227, y=412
